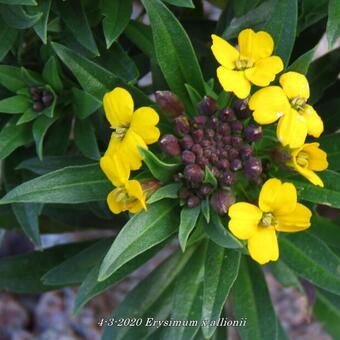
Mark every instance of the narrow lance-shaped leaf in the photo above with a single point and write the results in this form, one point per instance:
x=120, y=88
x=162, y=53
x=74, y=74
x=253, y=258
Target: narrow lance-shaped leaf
x=333, y=23
x=8, y=36
x=40, y=27
x=188, y=219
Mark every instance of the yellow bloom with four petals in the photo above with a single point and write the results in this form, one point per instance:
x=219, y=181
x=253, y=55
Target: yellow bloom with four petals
x=278, y=211
x=289, y=104
x=253, y=63
x=130, y=128
x=307, y=159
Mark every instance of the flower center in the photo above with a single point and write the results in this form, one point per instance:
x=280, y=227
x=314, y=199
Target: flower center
x=119, y=132
x=302, y=159
x=123, y=197
x=298, y=103
x=268, y=220
x=242, y=64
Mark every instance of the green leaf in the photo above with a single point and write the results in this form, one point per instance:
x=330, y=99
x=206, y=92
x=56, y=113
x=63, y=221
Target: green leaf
x=181, y=3
x=194, y=96
x=28, y=116
x=333, y=23
x=282, y=27
x=205, y=208
x=15, y=104
x=220, y=272
x=209, y=177
x=218, y=233
x=301, y=64
x=322, y=74
x=13, y=136
x=51, y=74
x=75, y=18
x=187, y=299
x=40, y=27
x=174, y=52
x=32, y=266
x=310, y=257
x=188, y=221
x=39, y=129
x=331, y=144
x=11, y=78
x=71, y=185
x=329, y=110
x=19, y=2
x=284, y=274
x=159, y=169
x=251, y=299
x=142, y=232
x=16, y=17
x=8, y=36
x=84, y=104
x=166, y=191
x=85, y=138
x=116, y=17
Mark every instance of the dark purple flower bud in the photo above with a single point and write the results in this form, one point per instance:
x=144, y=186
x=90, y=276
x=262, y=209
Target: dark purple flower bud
x=197, y=149
x=35, y=91
x=193, y=201
x=236, y=142
x=210, y=133
x=228, y=178
x=213, y=158
x=202, y=161
x=226, y=140
x=241, y=108
x=253, y=168
x=206, y=189
x=169, y=103
x=188, y=157
x=182, y=125
x=223, y=164
x=207, y=105
x=199, y=120
x=227, y=114
x=206, y=143
x=236, y=126
x=236, y=164
x=224, y=129
x=169, y=144
x=183, y=193
x=193, y=173
x=36, y=97
x=221, y=200
x=233, y=154
x=38, y=106
x=213, y=121
x=253, y=132
x=187, y=142
x=47, y=99
x=246, y=151
x=215, y=171
x=224, y=154
x=198, y=135
x=207, y=153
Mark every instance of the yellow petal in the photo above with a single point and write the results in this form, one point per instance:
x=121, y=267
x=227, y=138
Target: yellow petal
x=297, y=220
x=269, y=104
x=292, y=129
x=234, y=81
x=310, y=175
x=143, y=124
x=264, y=71
x=317, y=157
x=134, y=189
x=224, y=53
x=277, y=197
x=115, y=205
x=117, y=171
x=255, y=45
x=314, y=122
x=263, y=246
x=244, y=219
x=295, y=85
x=118, y=107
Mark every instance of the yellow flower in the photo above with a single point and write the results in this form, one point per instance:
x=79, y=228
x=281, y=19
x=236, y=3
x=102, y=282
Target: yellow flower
x=252, y=64
x=278, y=211
x=289, y=103
x=128, y=194
x=131, y=128
x=307, y=159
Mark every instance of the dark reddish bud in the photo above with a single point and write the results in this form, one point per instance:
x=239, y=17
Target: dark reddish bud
x=182, y=125
x=35, y=91
x=213, y=121
x=210, y=133
x=206, y=189
x=221, y=200
x=253, y=168
x=236, y=126
x=187, y=142
x=193, y=201
x=253, y=132
x=215, y=171
x=236, y=142
x=193, y=173
x=169, y=103
x=207, y=105
x=38, y=107
x=169, y=144
x=197, y=149
x=241, y=108
x=226, y=140
x=207, y=153
x=223, y=163
x=36, y=97
x=202, y=161
x=213, y=158
x=228, y=178
x=236, y=164
x=47, y=99
x=198, y=135
x=233, y=154
x=206, y=143
x=224, y=154
x=199, y=120
x=246, y=151
x=224, y=129
x=188, y=157
x=227, y=114
x=183, y=193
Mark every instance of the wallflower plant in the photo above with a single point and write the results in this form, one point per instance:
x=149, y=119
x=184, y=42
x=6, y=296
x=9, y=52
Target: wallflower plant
x=216, y=149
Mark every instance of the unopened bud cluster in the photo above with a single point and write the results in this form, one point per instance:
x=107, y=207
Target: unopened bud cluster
x=41, y=98
x=219, y=140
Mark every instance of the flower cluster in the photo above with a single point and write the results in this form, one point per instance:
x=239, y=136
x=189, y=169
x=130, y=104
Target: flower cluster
x=41, y=98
